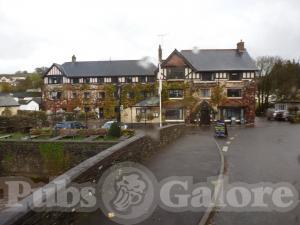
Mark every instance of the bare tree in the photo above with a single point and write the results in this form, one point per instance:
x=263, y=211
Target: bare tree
x=265, y=65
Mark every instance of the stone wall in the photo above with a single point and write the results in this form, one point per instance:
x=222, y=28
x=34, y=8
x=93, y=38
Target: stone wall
x=137, y=148
x=44, y=159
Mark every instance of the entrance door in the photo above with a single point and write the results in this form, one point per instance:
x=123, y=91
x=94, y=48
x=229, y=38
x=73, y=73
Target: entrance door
x=204, y=113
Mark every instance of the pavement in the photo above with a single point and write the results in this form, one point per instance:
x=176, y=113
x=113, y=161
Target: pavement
x=270, y=152
x=195, y=154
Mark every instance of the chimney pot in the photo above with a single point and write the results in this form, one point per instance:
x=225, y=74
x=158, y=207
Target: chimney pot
x=73, y=58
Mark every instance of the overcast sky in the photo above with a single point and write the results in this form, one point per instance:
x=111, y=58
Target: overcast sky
x=35, y=33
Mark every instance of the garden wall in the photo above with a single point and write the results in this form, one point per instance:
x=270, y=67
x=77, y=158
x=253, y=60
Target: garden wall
x=43, y=159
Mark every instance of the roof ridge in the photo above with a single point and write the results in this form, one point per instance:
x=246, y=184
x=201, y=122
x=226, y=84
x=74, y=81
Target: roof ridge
x=121, y=60
x=210, y=49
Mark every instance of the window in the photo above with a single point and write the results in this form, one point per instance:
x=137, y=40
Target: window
x=121, y=80
x=174, y=114
x=86, y=95
x=207, y=77
x=221, y=75
x=107, y=80
x=151, y=79
x=130, y=95
x=114, y=80
x=235, y=76
x=176, y=73
x=176, y=93
x=86, y=80
x=135, y=79
x=100, y=80
x=101, y=95
x=55, y=95
x=75, y=80
x=55, y=80
x=280, y=106
x=234, y=93
x=205, y=93
x=147, y=94
x=128, y=79
x=142, y=79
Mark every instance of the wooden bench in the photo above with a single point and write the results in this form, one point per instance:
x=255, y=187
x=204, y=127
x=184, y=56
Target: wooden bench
x=5, y=136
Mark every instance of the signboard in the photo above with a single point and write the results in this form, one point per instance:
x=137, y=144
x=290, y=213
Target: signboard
x=221, y=129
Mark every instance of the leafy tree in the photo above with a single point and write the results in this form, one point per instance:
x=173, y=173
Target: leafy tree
x=218, y=96
x=6, y=87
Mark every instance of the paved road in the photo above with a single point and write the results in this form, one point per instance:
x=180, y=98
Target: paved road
x=268, y=153
x=195, y=155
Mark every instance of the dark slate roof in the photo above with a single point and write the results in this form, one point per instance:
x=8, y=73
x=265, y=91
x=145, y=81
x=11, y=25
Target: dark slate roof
x=148, y=102
x=219, y=60
x=108, y=68
x=6, y=101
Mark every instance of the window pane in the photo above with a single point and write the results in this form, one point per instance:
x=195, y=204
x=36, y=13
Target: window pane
x=174, y=114
x=234, y=93
x=207, y=77
x=176, y=73
x=175, y=93
x=235, y=76
x=205, y=93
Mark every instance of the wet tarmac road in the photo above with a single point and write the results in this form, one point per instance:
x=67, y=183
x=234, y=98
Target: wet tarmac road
x=268, y=153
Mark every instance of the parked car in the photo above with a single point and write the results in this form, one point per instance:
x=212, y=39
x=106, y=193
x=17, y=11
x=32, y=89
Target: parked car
x=69, y=125
x=273, y=114
x=108, y=124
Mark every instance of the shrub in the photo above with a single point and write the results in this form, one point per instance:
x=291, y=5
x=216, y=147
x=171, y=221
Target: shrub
x=89, y=132
x=68, y=132
x=115, y=130
x=42, y=131
x=128, y=132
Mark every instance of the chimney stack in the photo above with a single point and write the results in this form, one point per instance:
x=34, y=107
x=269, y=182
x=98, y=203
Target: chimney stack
x=241, y=47
x=73, y=59
x=159, y=54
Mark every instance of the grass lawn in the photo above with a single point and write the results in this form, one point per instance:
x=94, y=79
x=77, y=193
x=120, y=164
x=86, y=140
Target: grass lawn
x=14, y=136
x=106, y=138
x=75, y=138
